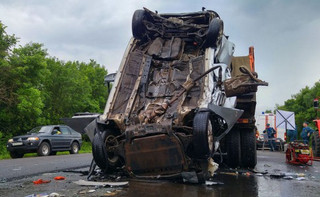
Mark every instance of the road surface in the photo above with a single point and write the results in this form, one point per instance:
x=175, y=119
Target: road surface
x=240, y=185
x=18, y=168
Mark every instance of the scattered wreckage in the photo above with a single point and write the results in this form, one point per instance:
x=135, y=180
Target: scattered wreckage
x=179, y=99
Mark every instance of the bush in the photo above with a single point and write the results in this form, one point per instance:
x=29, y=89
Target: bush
x=3, y=145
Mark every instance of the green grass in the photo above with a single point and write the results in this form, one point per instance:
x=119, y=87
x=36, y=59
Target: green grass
x=85, y=148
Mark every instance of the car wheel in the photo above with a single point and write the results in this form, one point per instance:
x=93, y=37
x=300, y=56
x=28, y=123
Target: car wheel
x=99, y=152
x=232, y=147
x=74, y=148
x=202, y=138
x=53, y=152
x=109, y=137
x=215, y=31
x=248, y=149
x=15, y=155
x=315, y=143
x=44, y=149
x=138, y=28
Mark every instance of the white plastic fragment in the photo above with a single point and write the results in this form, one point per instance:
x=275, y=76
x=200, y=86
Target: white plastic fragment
x=210, y=183
x=212, y=166
x=54, y=195
x=93, y=183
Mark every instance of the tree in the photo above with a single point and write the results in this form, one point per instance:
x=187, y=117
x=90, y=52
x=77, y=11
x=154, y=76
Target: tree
x=36, y=89
x=302, y=104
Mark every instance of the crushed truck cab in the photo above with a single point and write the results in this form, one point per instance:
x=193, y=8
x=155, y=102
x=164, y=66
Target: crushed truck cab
x=175, y=99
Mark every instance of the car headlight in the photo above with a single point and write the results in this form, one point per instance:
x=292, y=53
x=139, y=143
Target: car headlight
x=33, y=139
x=10, y=140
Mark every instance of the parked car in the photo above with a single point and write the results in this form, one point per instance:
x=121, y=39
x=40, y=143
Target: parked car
x=45, y=140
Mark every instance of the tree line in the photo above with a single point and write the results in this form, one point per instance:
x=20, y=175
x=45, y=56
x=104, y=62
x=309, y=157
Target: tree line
x=37, y=89
x=302, y=104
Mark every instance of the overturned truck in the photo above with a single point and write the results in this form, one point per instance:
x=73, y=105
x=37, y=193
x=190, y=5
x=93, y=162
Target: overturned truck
x=179, y=98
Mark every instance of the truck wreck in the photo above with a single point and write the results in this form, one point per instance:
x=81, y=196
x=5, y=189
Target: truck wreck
x=179, y=98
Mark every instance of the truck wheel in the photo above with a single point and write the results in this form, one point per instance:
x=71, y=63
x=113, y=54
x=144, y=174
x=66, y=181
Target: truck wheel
x=15, y=155
x=232, y=143
x=215, y=31
x=99, y=151
x=315, y=142
x=248, y=148
x=44, y=149
x=74, y=148
x=202, y=138
x=138, y=28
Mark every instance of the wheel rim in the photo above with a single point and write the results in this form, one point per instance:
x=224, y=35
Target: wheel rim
x=111, y=142
x=45, y=149
x=210, y=136
x=75, y=148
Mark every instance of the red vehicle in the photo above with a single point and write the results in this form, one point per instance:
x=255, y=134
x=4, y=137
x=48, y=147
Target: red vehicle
x=298, y=153
x=315, y=140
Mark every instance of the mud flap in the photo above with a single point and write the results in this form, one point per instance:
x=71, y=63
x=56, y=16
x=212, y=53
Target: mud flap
x=230, y=115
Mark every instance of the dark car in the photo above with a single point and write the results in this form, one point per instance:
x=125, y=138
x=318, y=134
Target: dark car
x=45, y=140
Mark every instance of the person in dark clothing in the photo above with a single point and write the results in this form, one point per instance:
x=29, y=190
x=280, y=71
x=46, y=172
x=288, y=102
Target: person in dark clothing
x=292, y=135
x=306, y=133
x=270, y=131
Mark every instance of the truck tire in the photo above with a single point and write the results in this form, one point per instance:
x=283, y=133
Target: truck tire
x=138, y=28
x=214, y=33
x=99, y=151
x=232, y=143
x=202, y=138
x=248, y=148
x=315, y=142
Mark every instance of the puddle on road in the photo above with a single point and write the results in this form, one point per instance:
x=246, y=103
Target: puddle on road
x=234, y=185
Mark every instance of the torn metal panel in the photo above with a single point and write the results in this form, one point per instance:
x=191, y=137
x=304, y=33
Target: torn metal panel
x=152, y=155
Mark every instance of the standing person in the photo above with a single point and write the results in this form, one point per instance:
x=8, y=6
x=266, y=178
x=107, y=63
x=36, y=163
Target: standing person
x=270, y=132
x=292, y=135
x=306, y=133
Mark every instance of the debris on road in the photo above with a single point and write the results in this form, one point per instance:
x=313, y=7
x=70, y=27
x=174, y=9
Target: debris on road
x=301, y=178
x=212, y=166
x=190, y=177
x=38, y=195
x=210, y=183
x=278, y=175
x=54, y=194
x=40, y=181
x=104, y=184
x=59, y=178
x=111, y=193
x=230, y=173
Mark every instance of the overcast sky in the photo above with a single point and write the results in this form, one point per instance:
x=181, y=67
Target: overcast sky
x=285, y=34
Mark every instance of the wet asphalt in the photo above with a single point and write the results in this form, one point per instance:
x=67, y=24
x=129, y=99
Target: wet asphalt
x=19, y=168
x=240, y=184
